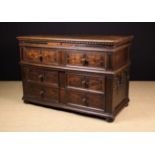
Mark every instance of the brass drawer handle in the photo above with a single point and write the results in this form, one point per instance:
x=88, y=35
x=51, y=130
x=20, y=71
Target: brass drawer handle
x=41, y=77
x=84, y=83
x=41, y=58
x=42, y=92
x=84, y=61
x=84, y=100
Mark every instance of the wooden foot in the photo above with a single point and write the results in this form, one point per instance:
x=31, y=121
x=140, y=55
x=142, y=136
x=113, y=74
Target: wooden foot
x=126, y=104
x=109, y=119
x=26, y=102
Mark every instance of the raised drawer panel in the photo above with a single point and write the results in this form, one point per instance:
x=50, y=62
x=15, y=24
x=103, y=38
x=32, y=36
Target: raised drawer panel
x=96, y=83
x=51, y=77
x=76, y=98
x=93, y=100
x=75, y=58
x=50, y=94
x=86, y=59
x=41, y=56
x=75, y=80
x=40, y=92
x=51, y=57
x=33, y=90
x=44, y=76
x=34, y=74
x=32, y=55
x=95, y=60
x=96, y=100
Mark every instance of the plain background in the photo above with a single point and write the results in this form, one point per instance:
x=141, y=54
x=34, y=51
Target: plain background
x=77, y=143
x=142, y=51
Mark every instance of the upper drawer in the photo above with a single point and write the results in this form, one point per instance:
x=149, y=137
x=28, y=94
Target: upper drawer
x=86, y=59
x=32, y=55
x=51, y=56
x=41, y=56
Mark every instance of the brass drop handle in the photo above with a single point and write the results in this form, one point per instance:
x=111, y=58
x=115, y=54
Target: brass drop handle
x=84, y=83
x=84, y=100
x=40, y=77
x=42, y=93
x=84, y=61
x=41, y=58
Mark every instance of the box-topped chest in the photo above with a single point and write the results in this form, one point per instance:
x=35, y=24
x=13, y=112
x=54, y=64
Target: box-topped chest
x=85, y=74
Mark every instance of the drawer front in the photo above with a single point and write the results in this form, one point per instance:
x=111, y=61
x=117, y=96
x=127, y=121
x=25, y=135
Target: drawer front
x=34, y=74
x=51, y=57
x=75, y=58
x=33, y=90
x=44, y=76
x=50, y=77
x=37, y=91
x=32, y=55
x=42, y=56
x=86, y=59
x=96, y=83
x=91, y=100
x=95, y=60
x=50, y=94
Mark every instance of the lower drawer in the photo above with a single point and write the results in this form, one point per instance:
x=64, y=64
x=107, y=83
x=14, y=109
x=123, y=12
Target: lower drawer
x=40, y=92
x=80, y=98
x=71, y=97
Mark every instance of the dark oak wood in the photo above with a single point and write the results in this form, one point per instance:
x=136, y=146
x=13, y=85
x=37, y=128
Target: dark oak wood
x=32, y=55
x=85, y=74
x=90, y=82
x=85, y=59
x=87, y=99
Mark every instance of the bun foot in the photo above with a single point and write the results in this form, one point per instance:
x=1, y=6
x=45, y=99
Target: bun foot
x=126, y=104
x=25, y=101
x=109, y=119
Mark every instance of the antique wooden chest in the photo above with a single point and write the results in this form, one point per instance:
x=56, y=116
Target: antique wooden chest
x=85, y=74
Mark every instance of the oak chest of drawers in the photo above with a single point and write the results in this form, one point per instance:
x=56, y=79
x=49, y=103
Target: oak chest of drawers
x=84, y=74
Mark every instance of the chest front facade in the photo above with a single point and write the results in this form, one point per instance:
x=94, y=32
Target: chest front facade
x=79, y=77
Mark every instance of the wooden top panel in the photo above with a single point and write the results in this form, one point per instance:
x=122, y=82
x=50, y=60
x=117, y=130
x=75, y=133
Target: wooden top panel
x=102, y=39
